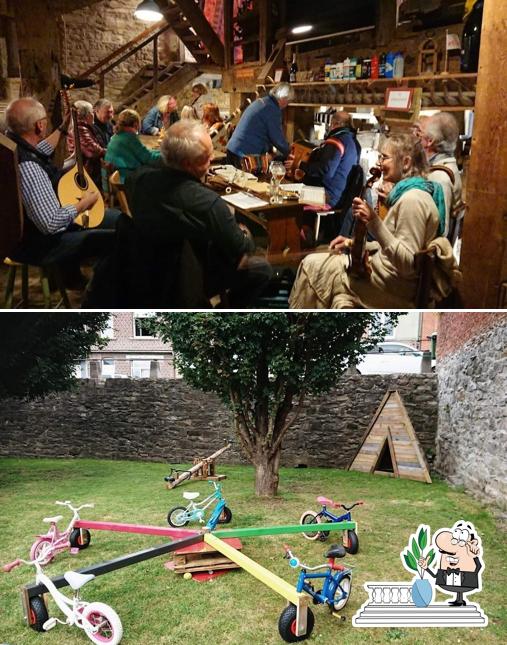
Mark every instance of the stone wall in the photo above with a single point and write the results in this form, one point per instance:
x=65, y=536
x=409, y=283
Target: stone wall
x=90, y=34
x=472, y=424
x=163, y=420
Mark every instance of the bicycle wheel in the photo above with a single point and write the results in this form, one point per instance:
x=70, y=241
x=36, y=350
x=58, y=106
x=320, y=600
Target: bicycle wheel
x=288, y=621
x=353, y=543
x=102, y=624
x=39, y=547
x=225, y=516
x=38, y=613
x=80, y=538
x=309, y=517
x=345, y=584
x=177, y=517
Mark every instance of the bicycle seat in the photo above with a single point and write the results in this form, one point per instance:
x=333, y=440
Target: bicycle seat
x=189, y=495
x=77, y=580
x=325, y=501
x=336, y=551
x=50, y=520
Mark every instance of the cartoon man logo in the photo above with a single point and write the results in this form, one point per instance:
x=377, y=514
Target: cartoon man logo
x=460, y=561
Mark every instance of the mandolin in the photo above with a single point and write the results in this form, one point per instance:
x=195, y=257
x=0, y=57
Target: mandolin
x=76, y=181
x=359, y=265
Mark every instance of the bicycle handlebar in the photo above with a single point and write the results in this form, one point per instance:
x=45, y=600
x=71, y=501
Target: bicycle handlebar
x=68, y=503
x=294, y=561
x=11, y=565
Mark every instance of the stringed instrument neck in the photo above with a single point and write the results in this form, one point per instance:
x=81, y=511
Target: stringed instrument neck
x=359, y=259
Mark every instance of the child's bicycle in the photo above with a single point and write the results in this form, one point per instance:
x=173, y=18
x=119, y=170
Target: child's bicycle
x=100, y=622
x=195, y=511
x=335, y=592
x=54, y=541
x=350, y=539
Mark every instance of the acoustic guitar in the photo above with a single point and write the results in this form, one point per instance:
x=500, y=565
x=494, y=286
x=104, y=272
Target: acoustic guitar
x=359, y=265
x=76, y=181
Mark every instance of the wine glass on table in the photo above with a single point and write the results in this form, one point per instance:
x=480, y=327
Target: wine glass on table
x=277, y=171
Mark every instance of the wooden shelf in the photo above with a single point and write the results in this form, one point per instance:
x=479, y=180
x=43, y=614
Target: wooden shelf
x=369, y=81
x=372, y=106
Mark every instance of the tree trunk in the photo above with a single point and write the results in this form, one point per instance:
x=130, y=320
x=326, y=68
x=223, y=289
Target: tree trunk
x=266, y=473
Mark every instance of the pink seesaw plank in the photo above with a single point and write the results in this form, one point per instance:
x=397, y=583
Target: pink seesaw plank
x=135, y=528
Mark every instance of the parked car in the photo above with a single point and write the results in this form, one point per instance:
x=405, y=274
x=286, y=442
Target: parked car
x=393, y=358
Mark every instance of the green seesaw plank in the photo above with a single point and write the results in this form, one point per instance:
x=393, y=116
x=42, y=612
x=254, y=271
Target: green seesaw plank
x=281, y=530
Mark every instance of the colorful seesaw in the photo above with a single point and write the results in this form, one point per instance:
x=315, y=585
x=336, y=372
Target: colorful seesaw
x=188, y=537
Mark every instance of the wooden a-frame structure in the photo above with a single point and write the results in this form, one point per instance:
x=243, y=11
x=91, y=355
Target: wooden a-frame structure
x=390, y=446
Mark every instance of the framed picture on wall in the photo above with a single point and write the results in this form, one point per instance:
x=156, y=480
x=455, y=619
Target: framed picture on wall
x=399, y=99
x=278, y=75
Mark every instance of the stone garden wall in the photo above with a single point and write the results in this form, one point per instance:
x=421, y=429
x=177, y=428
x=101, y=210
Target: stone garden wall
x=166, y=420
x=472, y=425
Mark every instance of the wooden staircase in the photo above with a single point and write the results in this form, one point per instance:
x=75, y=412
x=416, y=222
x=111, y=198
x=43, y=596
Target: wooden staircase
x=186, y=19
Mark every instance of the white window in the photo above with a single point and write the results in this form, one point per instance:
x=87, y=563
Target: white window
x=82, y=369
x=107, y=368
x=389, y=325
x=141, y=369
x=140, y=330
x=109, y=330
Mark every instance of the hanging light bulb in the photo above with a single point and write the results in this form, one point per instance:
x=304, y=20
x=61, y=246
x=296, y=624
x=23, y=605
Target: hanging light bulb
x=148, y=11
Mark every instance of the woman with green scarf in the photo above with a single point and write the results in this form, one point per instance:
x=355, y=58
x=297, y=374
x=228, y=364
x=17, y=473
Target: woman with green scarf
x=416, y=216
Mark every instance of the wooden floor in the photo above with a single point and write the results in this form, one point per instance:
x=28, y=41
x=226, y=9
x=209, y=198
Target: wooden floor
x=36, y=300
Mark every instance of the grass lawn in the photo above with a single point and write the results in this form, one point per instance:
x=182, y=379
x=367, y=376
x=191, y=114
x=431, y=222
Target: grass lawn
x=157, y=606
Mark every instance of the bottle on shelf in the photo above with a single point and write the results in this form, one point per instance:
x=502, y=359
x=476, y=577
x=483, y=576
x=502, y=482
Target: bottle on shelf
x=382, y=65
x=374, y=66
x=327, y=69
x=346, y=69
x=389, y=65
x=339, y=71
x=398, y=65
x=366, y=68
x=293, y=69
x=472, y=39
x=359, y=68
x=352, y=68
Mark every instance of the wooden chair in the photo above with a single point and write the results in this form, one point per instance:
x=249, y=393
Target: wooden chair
x=106, y=170
x=11, y=232
x=425, y=264
x=118, y=192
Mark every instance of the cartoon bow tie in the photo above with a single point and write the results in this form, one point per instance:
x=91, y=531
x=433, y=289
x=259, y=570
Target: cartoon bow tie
x=451, y=571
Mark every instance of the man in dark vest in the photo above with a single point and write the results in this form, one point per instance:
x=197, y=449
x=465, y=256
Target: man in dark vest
x=50, y=235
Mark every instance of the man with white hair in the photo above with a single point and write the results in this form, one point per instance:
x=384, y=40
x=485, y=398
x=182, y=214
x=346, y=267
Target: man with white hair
x=91, y=149
x=103, y=113
x=260, y=128
x=171, y=207
x=439, y=136
x=49, y=233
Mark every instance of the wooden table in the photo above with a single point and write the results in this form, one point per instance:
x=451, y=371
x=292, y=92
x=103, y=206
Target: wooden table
x=150, y=141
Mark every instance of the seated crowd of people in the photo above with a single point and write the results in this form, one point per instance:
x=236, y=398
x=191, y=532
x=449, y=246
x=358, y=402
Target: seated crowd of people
x=182, y=245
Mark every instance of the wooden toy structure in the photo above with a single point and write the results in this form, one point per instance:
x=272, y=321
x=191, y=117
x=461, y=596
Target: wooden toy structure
x=220, y=541
x=390, y=446
x=203, y=469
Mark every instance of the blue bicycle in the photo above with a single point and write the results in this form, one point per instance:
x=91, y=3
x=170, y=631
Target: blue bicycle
x=195, y=511
x=335, y=592
x=350, y=539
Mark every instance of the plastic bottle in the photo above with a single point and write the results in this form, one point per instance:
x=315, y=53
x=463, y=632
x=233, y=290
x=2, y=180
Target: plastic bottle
x=352, y=68
x=374, y=66
x=472, y=39
x=382, y=65
x=359, y=68
x=389, y=64
x=327, y=69
x=398, y=65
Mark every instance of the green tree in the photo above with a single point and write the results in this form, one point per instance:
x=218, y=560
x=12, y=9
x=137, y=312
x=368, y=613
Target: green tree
x=263, y=365
x=39, y=351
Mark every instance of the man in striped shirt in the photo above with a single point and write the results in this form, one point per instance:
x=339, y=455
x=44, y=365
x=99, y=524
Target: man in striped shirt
x=50, y=235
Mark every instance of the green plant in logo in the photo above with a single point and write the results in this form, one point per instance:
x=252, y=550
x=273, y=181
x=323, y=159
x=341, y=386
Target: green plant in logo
x=422, y=590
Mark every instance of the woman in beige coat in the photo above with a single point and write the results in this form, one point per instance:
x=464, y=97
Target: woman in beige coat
x=416, y=216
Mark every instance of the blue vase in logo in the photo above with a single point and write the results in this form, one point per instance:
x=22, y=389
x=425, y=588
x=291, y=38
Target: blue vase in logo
x=422, y=592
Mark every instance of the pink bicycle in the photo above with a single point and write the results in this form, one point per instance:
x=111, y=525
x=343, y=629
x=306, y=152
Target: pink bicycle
x=47, y=546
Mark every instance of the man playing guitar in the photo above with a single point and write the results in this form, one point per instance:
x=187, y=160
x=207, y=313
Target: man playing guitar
x=49, y=234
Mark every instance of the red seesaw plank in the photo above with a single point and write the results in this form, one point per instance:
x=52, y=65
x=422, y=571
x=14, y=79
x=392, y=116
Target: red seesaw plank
x=135, y=528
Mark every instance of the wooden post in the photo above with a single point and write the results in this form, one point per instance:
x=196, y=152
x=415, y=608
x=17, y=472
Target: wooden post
x=484, y=254
x=386, y=22
x=155, y=68
x=228, y=35
x=11, y=40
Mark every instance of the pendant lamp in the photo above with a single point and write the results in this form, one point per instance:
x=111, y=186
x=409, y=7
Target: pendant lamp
x=148, y=11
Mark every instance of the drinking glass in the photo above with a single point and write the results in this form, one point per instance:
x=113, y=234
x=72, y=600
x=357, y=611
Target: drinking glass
x=277, y=170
